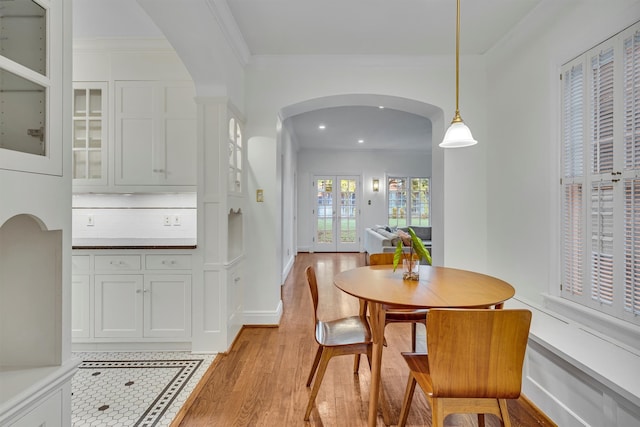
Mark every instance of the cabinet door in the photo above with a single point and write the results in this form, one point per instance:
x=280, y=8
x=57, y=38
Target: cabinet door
x=89, y=161
x=80, y=306
x=167, y=305
x=118, y=305
x=155, y=133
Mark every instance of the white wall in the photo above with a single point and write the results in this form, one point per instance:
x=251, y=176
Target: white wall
x=276, y=83
x=575, y=375
x=368, y=164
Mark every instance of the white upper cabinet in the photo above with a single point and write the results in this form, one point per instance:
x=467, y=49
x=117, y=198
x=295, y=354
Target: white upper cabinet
x=155, y=133
x=89, y=148
x=30, y=113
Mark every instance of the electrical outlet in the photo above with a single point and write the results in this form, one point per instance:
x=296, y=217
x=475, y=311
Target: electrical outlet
x=177, y=220
x=167, y=220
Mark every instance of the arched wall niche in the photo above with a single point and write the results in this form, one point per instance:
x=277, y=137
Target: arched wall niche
x=30, y=293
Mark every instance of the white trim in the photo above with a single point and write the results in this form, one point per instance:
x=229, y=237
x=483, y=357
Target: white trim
x=263, y=317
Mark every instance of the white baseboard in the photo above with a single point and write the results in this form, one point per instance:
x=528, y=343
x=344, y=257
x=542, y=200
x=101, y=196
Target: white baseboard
x=264, y=317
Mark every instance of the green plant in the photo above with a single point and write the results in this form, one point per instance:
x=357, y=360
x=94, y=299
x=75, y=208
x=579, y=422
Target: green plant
x=415, y=245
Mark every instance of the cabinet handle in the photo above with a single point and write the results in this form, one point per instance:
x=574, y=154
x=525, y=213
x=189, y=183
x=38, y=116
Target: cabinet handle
x=138, y=291
x=237, y=279
x=117, y=263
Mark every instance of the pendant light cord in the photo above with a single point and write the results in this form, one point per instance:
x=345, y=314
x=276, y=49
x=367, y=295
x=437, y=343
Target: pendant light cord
x=456, y=117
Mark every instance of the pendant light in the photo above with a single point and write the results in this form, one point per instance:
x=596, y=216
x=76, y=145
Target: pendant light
x=458, y=134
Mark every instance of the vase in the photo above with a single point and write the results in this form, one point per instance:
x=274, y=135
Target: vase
x=410, y=269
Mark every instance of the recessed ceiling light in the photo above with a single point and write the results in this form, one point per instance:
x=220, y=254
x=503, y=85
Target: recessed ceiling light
x=381, y=107
x=322, y=127
x=360, y=141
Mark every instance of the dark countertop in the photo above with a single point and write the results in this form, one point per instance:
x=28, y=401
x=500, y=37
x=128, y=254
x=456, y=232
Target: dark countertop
x=128, y=243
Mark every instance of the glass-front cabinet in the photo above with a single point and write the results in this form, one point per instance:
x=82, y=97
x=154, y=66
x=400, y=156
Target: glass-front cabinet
x=27, y=71
x=89, y=146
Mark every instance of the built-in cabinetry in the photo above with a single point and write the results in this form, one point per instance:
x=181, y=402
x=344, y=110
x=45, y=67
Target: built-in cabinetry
x=36, y=366
x=135, y=296
x=155, y=134
x=153, y=143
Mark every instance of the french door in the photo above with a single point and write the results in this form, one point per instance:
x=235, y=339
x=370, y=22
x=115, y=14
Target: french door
x=336, y=214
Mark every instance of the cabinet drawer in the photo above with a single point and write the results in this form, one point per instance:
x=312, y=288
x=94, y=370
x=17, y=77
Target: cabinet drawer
x=117, y=262
x=80, y=263
x=168, y=262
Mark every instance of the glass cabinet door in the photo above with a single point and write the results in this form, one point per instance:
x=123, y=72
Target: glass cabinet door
x=24, y=81
x=89, y=133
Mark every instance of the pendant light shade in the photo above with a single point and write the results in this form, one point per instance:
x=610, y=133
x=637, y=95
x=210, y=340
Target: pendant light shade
x=458, y=135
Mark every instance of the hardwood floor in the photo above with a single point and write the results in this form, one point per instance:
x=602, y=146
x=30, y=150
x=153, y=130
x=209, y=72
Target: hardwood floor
x=261, y=381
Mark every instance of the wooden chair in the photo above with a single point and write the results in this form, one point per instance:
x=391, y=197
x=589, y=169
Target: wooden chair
x=348, y=335
x=474, y=363
x=396, y=314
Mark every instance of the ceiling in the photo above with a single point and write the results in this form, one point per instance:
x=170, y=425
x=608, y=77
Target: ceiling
x=335, y=27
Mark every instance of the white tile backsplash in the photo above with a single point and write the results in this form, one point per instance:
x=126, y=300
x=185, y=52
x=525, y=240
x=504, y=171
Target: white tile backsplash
x=170, y=217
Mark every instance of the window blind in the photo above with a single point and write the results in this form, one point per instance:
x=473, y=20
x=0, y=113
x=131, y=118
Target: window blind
x=600, y=206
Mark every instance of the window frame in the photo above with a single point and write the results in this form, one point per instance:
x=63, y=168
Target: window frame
x=409, y=200
x=599, y=221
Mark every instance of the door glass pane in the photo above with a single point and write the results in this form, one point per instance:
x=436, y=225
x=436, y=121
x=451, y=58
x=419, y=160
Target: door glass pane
x=22, y=114
x=23, y=34
x=420, y=202
x=397, y=190
x=95, y=164
x=95, y=102
x=79, y=164
x=95, y=134
x=325, y=211
x=347, y=210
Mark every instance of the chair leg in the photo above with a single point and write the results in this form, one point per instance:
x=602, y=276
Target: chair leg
x=504, y=413
x=406, y=402
x=481, y=420
x=324, y=361
x=437, y=413
x=413, y=337
x=315, y=365
x=356, y=363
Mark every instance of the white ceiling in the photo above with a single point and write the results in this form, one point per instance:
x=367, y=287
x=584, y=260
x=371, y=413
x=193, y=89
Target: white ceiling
x=358, y=27
x=379, y=27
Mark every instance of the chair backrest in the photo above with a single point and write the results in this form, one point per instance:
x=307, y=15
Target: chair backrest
x=310, y=273
x=477, y=352
x=383, y=258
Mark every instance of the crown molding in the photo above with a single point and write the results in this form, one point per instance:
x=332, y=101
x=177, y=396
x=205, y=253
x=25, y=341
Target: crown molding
x=230, y=29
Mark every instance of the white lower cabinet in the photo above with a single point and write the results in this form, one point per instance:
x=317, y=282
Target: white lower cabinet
x=132, y=298
x=167, y=305
x=118, y=305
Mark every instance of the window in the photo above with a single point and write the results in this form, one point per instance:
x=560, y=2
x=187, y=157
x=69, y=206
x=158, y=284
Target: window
x=601, y=177
x=408, y=201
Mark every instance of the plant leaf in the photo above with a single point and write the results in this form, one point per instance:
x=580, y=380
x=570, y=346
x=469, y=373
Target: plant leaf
x=418, y=246
x=397, y=256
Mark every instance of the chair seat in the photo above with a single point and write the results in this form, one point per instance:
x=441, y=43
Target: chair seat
x=345, y=331
x=396, y=314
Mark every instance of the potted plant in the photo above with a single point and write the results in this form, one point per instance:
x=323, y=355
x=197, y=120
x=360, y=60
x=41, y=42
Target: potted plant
x=415, y=246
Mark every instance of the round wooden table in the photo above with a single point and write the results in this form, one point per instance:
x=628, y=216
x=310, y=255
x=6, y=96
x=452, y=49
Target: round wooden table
x=438, y=287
